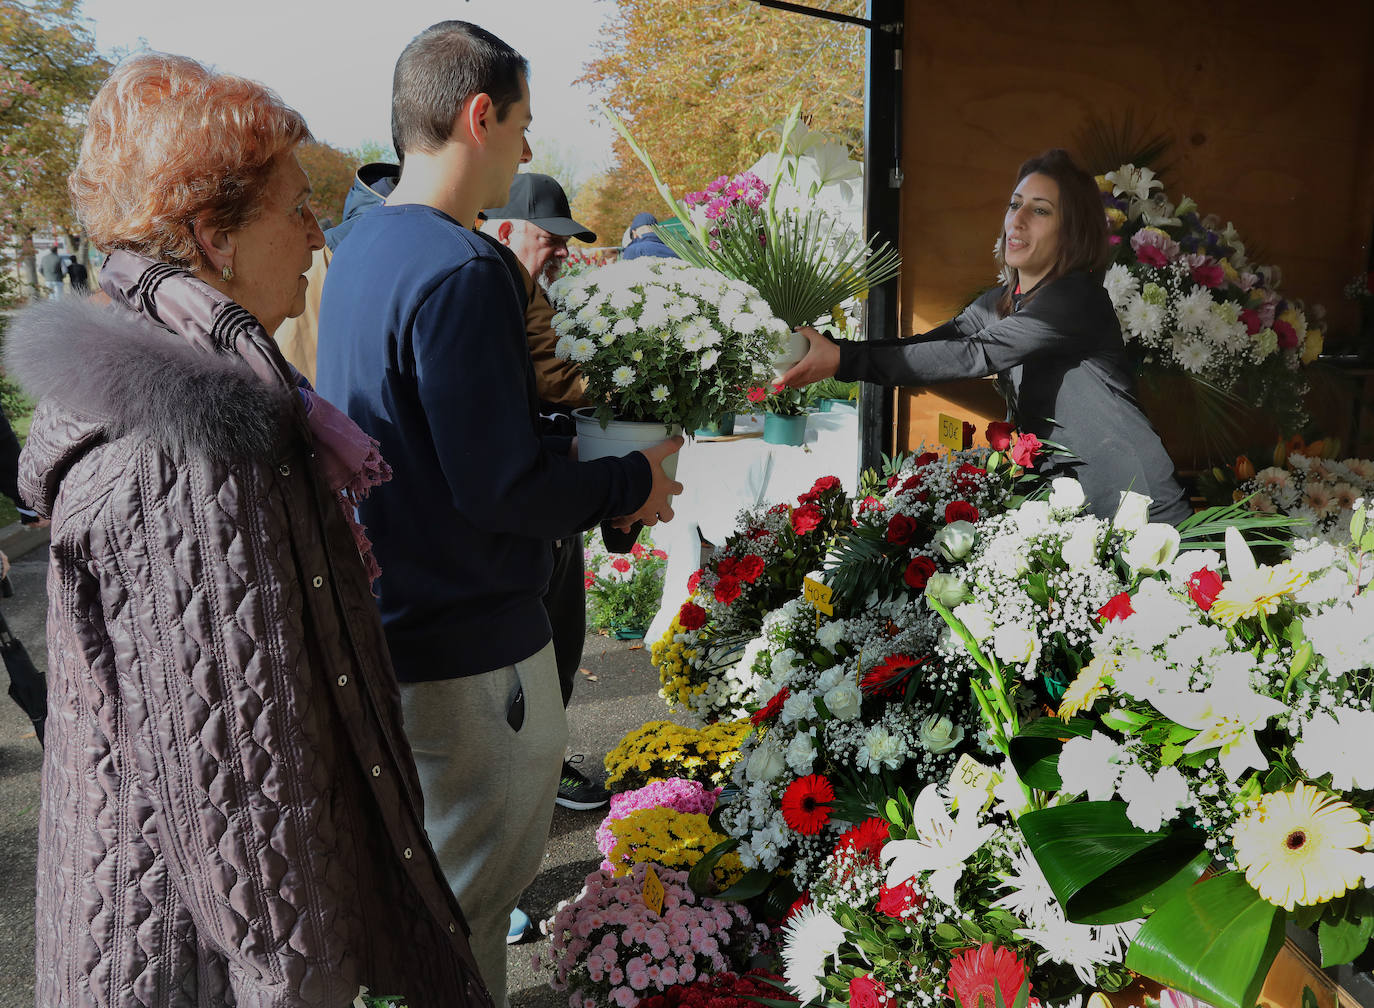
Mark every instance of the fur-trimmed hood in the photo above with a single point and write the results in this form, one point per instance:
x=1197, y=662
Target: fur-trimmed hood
x=101, y=372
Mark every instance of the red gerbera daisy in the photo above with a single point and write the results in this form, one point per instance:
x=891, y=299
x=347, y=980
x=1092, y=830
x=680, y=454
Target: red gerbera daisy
x=867, y=838
x=772, y=708
x=806, y=804
x=888, y=675
x=976, y=974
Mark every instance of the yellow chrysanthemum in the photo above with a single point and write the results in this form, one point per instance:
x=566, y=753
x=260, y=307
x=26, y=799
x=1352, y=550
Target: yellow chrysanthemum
x=1256, y=591
x=1297, y=847
x=1087, y=686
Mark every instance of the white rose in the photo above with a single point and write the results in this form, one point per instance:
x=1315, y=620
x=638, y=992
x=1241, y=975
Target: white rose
x=955, y=540
x=976, y=619
x=1066, y=494
x=1014, y=644
x=1032, y=516
x=765, y=763
x=1132, y=512
x=947, y=589
x=940, y=734
x=843, y=701
x=1080, y=549
x=1152, y=548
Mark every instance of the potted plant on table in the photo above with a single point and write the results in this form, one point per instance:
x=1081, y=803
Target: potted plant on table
x=784, y=413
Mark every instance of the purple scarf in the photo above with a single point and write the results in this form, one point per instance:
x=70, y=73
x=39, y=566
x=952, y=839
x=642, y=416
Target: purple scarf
x=349, y=459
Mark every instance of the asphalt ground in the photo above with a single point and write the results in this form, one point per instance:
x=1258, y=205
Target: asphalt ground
x=616, y=692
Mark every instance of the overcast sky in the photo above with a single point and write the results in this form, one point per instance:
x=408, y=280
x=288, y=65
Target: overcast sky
x=333, y=63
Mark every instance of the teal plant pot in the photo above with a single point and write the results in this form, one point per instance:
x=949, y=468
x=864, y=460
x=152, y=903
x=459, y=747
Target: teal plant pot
x=628, y=633
x=828, y=405
x=722, y=426
x=784, y=430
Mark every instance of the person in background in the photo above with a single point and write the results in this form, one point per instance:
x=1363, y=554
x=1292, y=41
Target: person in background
x=1052, y=337
x=77, y=276
x=422, y=336
x=644, y=240
x=50, y=269
x=230, y=810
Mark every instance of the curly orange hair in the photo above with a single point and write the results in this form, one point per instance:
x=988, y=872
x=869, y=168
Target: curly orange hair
x=169, y=142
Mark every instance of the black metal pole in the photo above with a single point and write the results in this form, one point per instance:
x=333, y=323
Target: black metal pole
x=882, y=208
x=816, y=12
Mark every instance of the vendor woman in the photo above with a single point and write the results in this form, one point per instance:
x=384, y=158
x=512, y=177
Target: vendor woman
x=1052, y=338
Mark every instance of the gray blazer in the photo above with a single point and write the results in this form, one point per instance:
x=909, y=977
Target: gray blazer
x=1063, y=370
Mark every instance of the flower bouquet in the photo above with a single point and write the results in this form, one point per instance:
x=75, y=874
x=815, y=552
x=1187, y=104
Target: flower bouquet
x=706, y=658
x=658, y=750
x=660, y=341
x=1190, y=301
x=1319, y=493
x=623, y=591
x=780, y=400
x=608, y=947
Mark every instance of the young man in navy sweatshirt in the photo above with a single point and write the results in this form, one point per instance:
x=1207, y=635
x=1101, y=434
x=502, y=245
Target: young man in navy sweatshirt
x=422, y=341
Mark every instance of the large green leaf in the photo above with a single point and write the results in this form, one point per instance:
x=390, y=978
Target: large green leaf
x=1346, y=928
x=1035, y=750
x=1103, y=869
x=1215, y=941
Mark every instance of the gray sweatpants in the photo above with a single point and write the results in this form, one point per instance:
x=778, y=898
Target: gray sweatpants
x=489, y=790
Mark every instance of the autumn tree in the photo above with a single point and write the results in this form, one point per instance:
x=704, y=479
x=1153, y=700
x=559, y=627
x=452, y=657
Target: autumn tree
x=331, y=174
x=703, y=85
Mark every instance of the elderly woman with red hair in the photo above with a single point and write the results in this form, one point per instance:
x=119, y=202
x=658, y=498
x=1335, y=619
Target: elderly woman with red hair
x=230, y=811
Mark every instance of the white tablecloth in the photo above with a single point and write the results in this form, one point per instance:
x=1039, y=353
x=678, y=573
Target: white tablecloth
x=721, y=477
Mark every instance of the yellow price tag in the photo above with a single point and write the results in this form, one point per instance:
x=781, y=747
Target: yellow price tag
x=972, y=780
x=653, y=891
x=819, y=595
x=951, y=432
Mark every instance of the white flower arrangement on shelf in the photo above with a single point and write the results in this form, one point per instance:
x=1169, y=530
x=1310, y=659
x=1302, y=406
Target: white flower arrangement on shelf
x=659, y=340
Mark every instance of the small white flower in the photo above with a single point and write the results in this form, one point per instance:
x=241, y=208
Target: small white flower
x=659, y=393
x=623, y=376
x=583, y=350
x=709, y=358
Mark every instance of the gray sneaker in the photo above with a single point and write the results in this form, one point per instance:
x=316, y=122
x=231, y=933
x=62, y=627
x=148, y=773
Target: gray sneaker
x=575, y=791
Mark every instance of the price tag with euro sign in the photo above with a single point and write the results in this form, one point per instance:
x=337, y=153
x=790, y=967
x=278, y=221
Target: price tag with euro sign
x=951, y=432
x=818, y=595
x=653, y=891
x=972, y=781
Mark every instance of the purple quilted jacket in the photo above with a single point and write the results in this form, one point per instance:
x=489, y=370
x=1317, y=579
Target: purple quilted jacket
x=230, y=811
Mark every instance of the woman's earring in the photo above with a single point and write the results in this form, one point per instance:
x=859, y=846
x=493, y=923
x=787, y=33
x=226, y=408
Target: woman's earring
x=227, y=273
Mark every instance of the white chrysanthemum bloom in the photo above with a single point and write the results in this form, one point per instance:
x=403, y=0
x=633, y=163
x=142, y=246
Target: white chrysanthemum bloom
x=709, y=358
x=1192, y=355
x=623, y=327
x=1152, y=801
x=1142, y=319
x=564, y=347
x=583, y=350
x=1090, y=765
x=637, y=356
x=623, y=376
x=744, y=323
x=659, y=393
x=1120, y=285
x=1195, y=310
x=599, y=326
x=810, y=938
x=1266, y=344
x=1030, y=897
x=654, y=316
x=624, y=298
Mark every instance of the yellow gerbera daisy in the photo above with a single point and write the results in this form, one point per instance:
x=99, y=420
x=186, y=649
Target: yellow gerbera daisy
x=1087, y=686
x=1296, y=847
x=1251, y=589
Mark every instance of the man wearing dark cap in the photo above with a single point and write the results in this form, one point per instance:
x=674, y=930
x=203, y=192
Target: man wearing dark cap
x=644, y=240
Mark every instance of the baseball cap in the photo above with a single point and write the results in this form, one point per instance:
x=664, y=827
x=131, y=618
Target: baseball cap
x=540, y=200
x=641, y=219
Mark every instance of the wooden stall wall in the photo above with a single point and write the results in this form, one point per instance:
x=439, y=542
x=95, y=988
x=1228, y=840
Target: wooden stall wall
x=1269, y=106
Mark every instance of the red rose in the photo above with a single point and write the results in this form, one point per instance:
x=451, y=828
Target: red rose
x=914, y=482
x=999, y=435
x=968, y=433
x=1251, y=318
x=621, y=564
x=806, y=518
x=1024, y=451
x=1204, y=586
x=1117, y=607
x=900, y=529
x=918, y=572
x=960, y=511
x=694, y=581
x=866, y=992
x=749, y=568
x=725, y=566
x=728, y=589
x=870, y=504
x=691, y=616
x=896, y=900
x=1288, y=336
x=925, y=458
x=891, y=482
x=772, y=708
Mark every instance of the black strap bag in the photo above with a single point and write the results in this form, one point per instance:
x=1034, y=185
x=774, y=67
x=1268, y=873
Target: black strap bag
x=28, y=685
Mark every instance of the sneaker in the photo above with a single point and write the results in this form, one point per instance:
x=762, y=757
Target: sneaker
x=576, y=792
x=521, y=927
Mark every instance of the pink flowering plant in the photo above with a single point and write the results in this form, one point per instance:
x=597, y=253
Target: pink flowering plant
x=731, y=203
x=608, y=947
x=1190, y=300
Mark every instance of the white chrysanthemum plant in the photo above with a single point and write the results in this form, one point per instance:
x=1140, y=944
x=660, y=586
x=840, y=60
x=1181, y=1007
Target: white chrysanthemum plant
x=662, y=341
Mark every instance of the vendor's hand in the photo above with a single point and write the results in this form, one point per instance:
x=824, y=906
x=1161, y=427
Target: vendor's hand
x=656, y=507
x=821, y=361
x=4, y=566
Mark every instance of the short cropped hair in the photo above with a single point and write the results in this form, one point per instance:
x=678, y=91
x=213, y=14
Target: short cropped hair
x=169, y=142
x=444, y=66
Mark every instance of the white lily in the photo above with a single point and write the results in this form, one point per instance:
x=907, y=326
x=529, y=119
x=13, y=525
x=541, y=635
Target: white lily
x=943, y=845
x=1226, y=717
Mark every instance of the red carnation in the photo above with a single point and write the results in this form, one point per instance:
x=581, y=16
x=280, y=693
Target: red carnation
x=870, y=504
x=588, y=579
x=757, y=395
x=750, y=567
x=867, y=839
x=621, y=564
x=772, y=708
x=999, y=435
x=1288, y=336
x=1253, y=323
x=806, y=804
x=691, y=616
x=960, y=511
x=1204, y=586
x=1208, y=275
x=900, y=529
x=918, y=572
x=637, y=551
x=896, y=900
x=1117, y=607
x=660, y=554
x=728, y=589
x=694, y=581
x=925, y=458
x=866, y=992
x=887, y=675
x=725, y=566
x=806, y=518
x=966, y=477
x=978, y=976
x=1024, y=451
x=825, y=483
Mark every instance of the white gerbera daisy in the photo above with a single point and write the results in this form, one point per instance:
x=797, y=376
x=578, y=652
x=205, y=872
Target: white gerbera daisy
x=810, y=938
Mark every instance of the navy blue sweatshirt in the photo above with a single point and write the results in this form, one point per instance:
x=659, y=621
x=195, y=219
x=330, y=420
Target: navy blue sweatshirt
x=422, y=343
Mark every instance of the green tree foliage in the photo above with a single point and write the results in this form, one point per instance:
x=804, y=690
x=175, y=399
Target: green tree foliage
x=49, y=72
x=701, y=86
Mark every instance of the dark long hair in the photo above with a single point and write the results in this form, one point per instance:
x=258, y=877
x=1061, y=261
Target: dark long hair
x=1082, y=222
